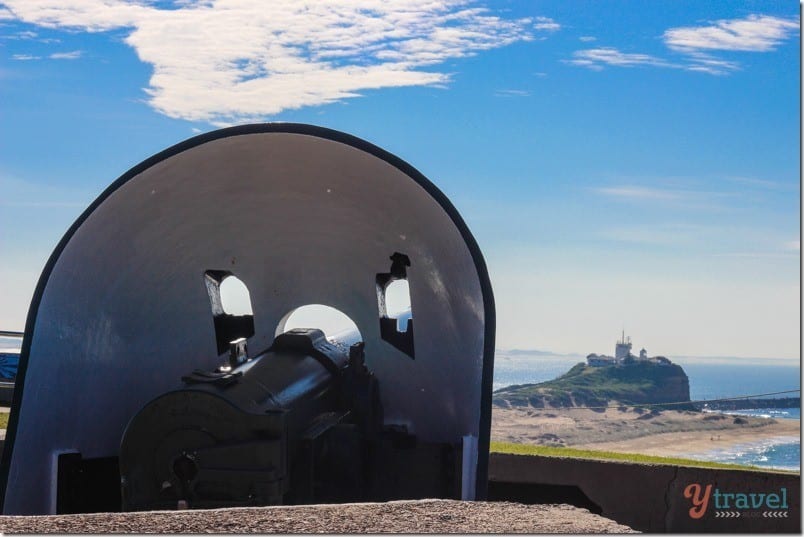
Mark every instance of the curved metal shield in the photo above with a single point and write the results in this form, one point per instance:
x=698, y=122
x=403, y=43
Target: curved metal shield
x=300, y=214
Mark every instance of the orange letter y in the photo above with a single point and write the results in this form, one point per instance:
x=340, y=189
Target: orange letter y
x=699, y=503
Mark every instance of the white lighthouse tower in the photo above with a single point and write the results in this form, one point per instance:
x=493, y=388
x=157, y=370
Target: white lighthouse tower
x=623, y=349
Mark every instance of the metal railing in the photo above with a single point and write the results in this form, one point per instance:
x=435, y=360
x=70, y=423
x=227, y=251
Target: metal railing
x=10, y=333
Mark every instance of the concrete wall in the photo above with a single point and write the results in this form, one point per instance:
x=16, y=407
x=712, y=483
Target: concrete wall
x=647, y=497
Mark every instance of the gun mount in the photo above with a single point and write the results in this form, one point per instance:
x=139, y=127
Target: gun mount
x=136, y=389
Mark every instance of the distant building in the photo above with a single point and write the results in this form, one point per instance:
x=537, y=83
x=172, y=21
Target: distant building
x=623, y=349
x=598, y=360
x=622, y=352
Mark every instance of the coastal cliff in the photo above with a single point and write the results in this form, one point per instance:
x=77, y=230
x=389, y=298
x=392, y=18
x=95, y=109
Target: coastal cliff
x=635, y=383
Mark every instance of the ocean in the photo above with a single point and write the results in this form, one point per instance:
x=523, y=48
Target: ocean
x=778, y=453
x=709, y=379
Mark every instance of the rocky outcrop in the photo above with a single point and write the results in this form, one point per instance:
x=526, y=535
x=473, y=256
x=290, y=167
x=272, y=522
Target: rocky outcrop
x=636, y=383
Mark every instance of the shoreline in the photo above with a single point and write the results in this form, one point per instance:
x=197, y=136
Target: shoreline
x=700, y=445
x=684, y=434
x=727, y=454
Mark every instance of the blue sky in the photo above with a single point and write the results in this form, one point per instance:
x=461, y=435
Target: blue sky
x=620, y=164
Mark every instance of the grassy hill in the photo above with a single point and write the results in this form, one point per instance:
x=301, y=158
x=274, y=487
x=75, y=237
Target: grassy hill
x=632, y=384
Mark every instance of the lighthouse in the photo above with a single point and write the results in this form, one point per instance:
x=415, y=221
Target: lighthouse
x=623, y=348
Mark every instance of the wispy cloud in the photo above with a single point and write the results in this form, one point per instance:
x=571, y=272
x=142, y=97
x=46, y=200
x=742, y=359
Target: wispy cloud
x=546, y=24
x=512, y=93
x=705, y=63
x=764, y=184
x=25, y=57
x=587, y=38
x=224, y=62
x=695, y=44
x=756, y=33
x=597, y=58
x=72, y=55
x=679, y=197
x=641, y=193
x=793, y=246
x=23, y=35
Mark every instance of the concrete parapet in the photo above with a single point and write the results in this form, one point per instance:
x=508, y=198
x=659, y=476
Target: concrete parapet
x=650, y=497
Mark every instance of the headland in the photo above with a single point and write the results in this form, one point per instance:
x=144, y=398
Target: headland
x=628, y=403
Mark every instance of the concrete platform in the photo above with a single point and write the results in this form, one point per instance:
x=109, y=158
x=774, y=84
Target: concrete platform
x=423, y=516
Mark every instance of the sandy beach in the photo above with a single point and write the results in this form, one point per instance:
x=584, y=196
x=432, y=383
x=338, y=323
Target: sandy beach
x=663, y=433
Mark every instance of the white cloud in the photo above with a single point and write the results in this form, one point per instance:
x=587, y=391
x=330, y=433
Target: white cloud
x=759, y=183
x=72, y=55
x=704, y=63
x=587, y=38
x=546, y=24
x=681, y=194
x=597, y=58
x=223, y=61
x=641, y=193
x=793, y=246
x=25, y=35
x=512, y=93
x=758, y=33
x=25, y=57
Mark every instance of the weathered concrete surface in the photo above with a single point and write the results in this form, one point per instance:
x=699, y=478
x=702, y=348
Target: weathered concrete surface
x=650, y=497
x=425, y=516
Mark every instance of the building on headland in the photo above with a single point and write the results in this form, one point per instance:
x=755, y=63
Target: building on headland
x=623, y=348
x=622, y=355
x=600, y=360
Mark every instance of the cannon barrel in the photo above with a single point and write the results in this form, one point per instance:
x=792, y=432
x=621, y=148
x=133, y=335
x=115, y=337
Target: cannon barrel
x=242, y=434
